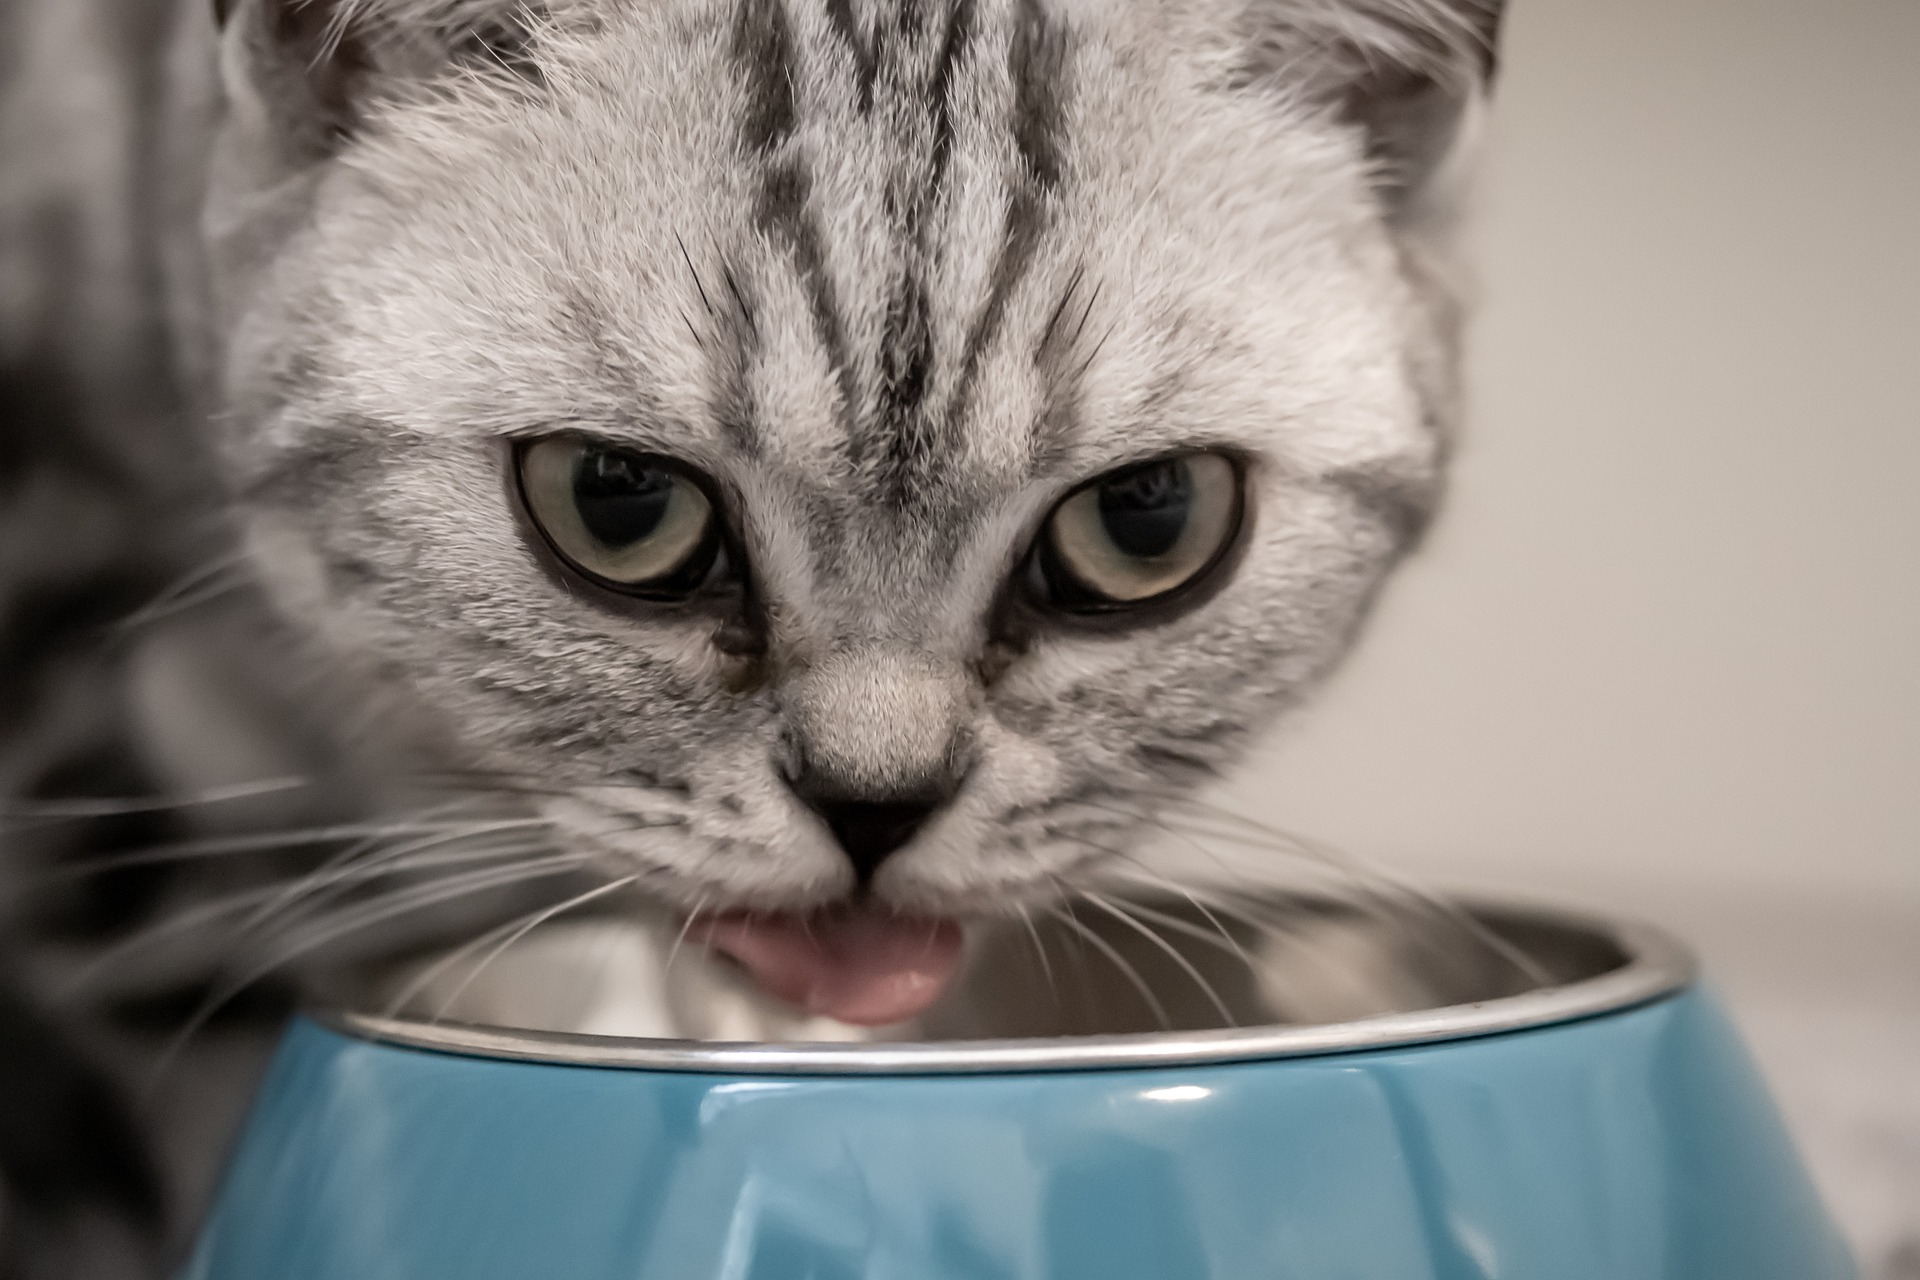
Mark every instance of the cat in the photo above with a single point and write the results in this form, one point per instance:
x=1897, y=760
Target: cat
x=835, y=470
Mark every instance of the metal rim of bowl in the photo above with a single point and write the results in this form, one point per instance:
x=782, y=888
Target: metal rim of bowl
x=1658, y=965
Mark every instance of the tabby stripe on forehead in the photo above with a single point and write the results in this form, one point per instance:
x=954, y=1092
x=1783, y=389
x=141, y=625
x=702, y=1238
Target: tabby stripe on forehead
x=841, y=18
x=910, y=355
x=763, y=48
x=907, y=361
x=953, y=47
x=1037, y=61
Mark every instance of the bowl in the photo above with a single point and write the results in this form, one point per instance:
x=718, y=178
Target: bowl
x=1276, y=1088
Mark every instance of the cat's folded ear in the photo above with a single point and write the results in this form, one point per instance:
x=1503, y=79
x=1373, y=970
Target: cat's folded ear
x=307, y=70
x=1407, y=73
x=297, y=71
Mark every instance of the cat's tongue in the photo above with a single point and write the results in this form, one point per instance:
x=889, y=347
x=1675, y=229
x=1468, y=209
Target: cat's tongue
x=861, y=967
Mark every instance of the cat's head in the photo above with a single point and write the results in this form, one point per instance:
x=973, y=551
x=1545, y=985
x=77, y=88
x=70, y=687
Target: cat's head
x=837, y=449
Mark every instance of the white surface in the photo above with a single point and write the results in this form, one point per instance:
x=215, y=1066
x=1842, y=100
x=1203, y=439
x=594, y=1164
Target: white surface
x=1662, y=651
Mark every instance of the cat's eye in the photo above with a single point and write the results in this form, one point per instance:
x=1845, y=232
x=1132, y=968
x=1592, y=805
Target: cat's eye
x=1140, y=534
x=635, y=522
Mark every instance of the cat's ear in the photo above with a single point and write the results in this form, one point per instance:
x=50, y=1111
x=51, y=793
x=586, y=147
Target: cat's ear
x=1408, y=73
x=305, y=72
x=298, y=72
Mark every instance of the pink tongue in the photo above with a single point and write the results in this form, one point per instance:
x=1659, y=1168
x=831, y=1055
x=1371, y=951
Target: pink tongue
x=863, y=968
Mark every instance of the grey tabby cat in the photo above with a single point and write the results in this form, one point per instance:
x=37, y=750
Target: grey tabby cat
x=834, y=468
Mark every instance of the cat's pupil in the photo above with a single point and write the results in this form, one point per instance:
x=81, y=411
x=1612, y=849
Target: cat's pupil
x=1145, y=511
x=621, y=498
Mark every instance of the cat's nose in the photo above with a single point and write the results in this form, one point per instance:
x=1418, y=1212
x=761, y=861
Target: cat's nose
x=871, y=831
x=876, y=742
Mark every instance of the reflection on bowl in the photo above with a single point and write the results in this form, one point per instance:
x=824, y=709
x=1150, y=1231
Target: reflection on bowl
x=1256, y=1088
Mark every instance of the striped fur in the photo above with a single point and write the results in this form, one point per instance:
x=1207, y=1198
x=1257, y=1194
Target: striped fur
x=280, y=278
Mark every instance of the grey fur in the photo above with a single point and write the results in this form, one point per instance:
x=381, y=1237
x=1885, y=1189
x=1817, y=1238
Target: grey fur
x=893, y=205
x=899, y=274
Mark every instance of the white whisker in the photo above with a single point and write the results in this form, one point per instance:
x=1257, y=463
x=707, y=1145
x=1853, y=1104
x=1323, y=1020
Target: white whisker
x=1398, y=886
x=190, y=591
x=537, y=920
x=1039, y=949
x=1119, y=962
x=81, y=808
x=1172, y=952
x=420, y=898
x=680, y=938
x=1142, y=874
x=268, y=842
x=352, y=868
x=199, y=915
x=263, y=900
x=426, y=977
x=1218, y=937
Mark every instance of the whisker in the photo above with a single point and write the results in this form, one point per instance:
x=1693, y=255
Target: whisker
x=188, y=592
x=638, y=822
x=148, y=616
x=1436, y=905
x=1245, y=909
x=424, y=979
x=78, y=808
x=1172, y=951
x=367, y=854
x=1040, y=950
x=1078, y=954
x=539, y=918
x=322, y=885
x=1218, y=938
x=1332, y=963
x=680, y=938
x=1131, y=974
x=489, y=780
x=199, y=916
x=1369, y=886
x=268, y=842
x=1293, y=848
x=368, y=861
x=1219, y=928
x=1147, y=876
x=1331, y=960
x=1254, y=834
x=420, y=898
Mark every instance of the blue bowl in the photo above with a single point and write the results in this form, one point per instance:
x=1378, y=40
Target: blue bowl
x=1597, y=1120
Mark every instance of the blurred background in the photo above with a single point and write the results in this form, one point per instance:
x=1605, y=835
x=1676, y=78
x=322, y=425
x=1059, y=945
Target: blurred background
x=1663, y=652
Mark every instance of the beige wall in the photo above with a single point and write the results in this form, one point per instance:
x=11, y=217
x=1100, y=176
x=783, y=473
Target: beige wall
x=1671, y=621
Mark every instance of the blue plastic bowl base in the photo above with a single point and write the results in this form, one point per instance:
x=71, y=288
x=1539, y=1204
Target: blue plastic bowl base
x=1640, y=1145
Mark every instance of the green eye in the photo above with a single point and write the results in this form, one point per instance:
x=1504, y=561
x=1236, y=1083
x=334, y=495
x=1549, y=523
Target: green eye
x=632, y=521
x=1140, y=533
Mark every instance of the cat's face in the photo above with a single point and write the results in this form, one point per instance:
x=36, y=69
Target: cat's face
x=738, y=420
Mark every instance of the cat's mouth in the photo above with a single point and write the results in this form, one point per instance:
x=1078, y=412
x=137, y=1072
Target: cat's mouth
x=865, y=966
